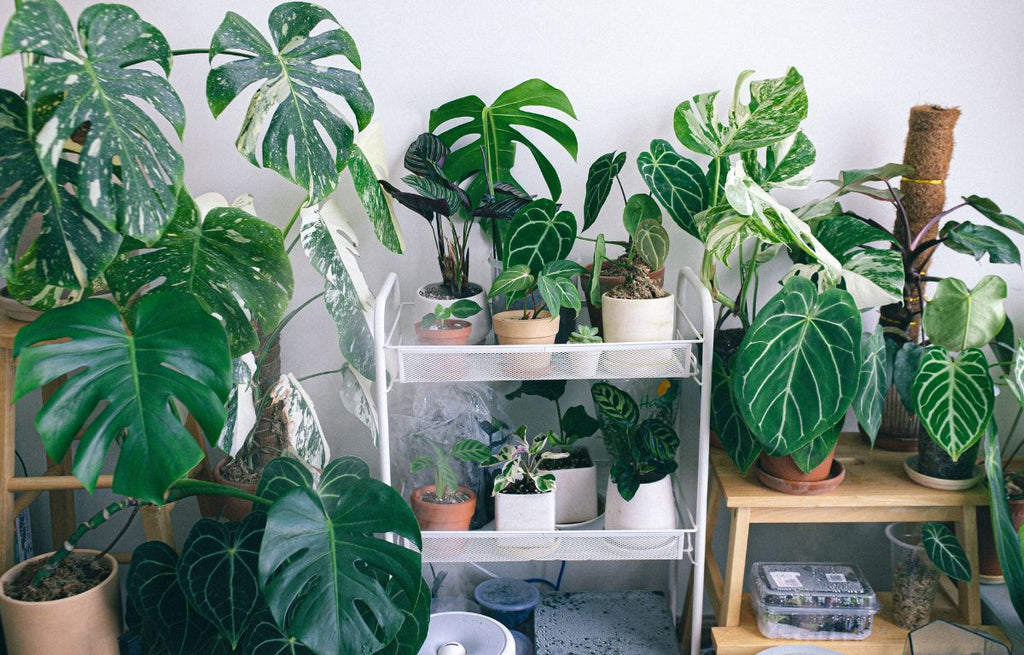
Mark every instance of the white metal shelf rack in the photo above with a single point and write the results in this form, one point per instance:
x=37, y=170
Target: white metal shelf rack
x=399, y=358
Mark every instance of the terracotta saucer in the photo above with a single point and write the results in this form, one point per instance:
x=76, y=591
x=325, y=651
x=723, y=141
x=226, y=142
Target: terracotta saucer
x=942, y=484
x=835, y=477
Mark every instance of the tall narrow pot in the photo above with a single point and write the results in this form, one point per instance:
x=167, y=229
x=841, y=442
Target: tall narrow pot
x=576, y=500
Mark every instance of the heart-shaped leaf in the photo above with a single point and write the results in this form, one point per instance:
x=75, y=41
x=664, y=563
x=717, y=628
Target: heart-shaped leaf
x=600, y=178
x=873, y=383
x=539, y=234
x=288, y=106
x=320, y=559
x=72, y=248
x=676, y=182
x=218, y=570
x=615, y=405
x=172, y=350
x=1008, y=541
x=954, y=398
x=639, y=207
x=495, y=132
x=904, y=369
x=266, y=638
x=945, y=551
x=512, y=280
x=558, y=291
x=651, y=241
x=980, y=240
x=960, y=318
x=231, y=261
x=738, y=441
x=811, y=455
x=795, y=374
x=96, y=76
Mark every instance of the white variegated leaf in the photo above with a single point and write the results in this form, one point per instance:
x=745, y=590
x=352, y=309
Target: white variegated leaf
x=303, y=433
x=367, y=164
x=874, y=277
x=874, y=382
x=357, y=398
x=241, y=406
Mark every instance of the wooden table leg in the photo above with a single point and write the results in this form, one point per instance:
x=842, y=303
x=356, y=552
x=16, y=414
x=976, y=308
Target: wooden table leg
x=7, y=459
x=969, y=593
x=736, y=563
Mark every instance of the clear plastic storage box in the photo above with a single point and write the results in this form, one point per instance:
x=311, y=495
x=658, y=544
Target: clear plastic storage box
x=796, y=600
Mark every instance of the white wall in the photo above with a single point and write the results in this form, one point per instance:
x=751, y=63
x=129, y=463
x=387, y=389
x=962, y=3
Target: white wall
x=625, y=65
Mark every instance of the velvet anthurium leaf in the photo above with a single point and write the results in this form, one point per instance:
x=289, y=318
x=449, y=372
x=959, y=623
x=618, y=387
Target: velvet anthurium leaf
x=539, y=234
x=515, y=279
x=795, y=374
x=333, y=250
x=96, y=73
x=1014, y=377
x=131, y=371
x=1009, y=543
x=676, y=182
x=953, y=398
x=980, y=240
x=304, y=138
x=1002, y=346
x=321, y=565
x=738, y=441
x=230, y=260
x=600, y=178
x=959, y=318
x=218, y=572
x=73, y=247
x=809, y=456
x=945, y=551
x=873, y=382
x=615, y=405
x=652, y=242
x=496, y=129
x=266, y=638
x=904, y=368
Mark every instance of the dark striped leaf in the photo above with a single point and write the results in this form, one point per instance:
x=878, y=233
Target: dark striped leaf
x=615, y=405
x=658, y=439
x=426, y=155
x=304, y=138
x=600, y=179
x=676, y=182
x=945, y=551
x=954, y=398
x=96, y=74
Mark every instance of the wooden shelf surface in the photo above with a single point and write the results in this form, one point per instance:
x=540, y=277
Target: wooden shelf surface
x=885, y=639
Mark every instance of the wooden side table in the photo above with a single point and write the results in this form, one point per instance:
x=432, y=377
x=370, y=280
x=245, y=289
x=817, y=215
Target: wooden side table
x=875, y=490
x=57, y=479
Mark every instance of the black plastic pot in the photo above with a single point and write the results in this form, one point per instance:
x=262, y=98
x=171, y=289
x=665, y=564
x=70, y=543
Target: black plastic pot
x=933, y=461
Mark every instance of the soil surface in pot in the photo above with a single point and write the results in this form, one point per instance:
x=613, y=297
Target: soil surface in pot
x=438, y=291
x=727, y=342
x=522, y=486
x=453, y=498
x=75, y=575
x=579, y=458
x=639, y=287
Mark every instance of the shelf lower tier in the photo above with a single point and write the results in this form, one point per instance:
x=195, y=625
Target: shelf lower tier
x=886, y=637
x=487, y=545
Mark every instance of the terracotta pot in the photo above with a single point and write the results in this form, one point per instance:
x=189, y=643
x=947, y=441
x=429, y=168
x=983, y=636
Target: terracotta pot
x=455, y=332
x=609, y=282
x=511, y=329
x=786, y=469
x=442, y=516
x=233, y=509
x=988, y=560
x=86, y=624
x=481, y=321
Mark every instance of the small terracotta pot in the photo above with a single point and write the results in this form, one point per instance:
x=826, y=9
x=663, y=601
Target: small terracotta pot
x=786, y=469
x=988, y=559
x=454, y=333
x=233, y=509
x=86, y=624
x=442, y=516
x=609, y=282
x=511, y=329
x=481, y=321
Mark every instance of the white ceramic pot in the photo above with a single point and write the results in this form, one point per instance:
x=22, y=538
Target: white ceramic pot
x=524, y=511
x=480, y=322
x=653, y=507
x=576, y=500
x=627, y=320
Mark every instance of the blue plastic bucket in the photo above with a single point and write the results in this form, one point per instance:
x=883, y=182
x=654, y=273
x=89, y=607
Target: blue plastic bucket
x=511, y=602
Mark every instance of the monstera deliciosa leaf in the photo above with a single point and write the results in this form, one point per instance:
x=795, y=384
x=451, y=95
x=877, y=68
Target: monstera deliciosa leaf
x=495, y=129
x=953, y=398
x=73, y=247
x=305, y=138
x=539, y=234
x=600, y=178
x=231, y=261
x=796, y=372
x=960, y=318
x=126, y=386
x=128, y=172
x=678, y=183
x=321, y=567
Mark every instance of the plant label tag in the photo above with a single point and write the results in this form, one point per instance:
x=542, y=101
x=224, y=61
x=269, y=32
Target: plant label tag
x=835, y=577
x=786, y=578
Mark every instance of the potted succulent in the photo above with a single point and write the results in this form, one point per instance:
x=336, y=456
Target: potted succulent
x=445, y=326
x=643, y=452
x=186, y=288
x=575, y=473
x=524, y=493
x=584, y=363
x=445, y=505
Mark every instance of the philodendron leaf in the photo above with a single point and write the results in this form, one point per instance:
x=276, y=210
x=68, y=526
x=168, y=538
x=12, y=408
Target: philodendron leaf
x=495, y=131
x=72, y=248
x=811, y=455
x=1008, y=541
x=676, y=182
x=980, y=240
x=739, y=442
x=954, y=398
x=539, y=234
x=615, y=405
x=332, y=249
x=301, y=428
x=218, y=572
x=231, y=261
x=904, y=370
x=131, y=371
x=600, y=178
x=651, y=241
x=321, y=565
x=991, y=211
x=795, y=374
x=873, y=382
x=787, y=163
x=959, y=318
x=307, y=140
x=945, y=551
x=95, y=73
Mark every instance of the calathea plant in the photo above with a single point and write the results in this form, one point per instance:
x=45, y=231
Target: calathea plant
x=520, y=460
x=439, y=463
x=574, y=424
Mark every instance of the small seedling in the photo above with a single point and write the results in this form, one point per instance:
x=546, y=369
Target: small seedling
x=438, y=319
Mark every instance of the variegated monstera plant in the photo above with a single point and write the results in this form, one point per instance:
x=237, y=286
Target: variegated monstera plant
x=92, y=199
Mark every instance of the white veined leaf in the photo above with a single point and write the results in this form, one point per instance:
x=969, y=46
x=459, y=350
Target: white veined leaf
x=874, y=382
x=945, y=551
x=953, y=398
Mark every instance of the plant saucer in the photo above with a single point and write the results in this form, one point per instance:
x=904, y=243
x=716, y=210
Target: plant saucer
x=589, y=522
x=942, y=484
x=799, y=488
x=797, y=649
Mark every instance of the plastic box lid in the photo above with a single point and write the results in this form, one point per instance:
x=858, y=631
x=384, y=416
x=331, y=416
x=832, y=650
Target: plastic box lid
x=797, y=587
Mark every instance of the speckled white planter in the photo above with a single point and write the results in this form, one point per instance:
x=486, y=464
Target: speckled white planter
x=627, y=320
x=653, y=507
x=576, y=501
x=524, y=511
